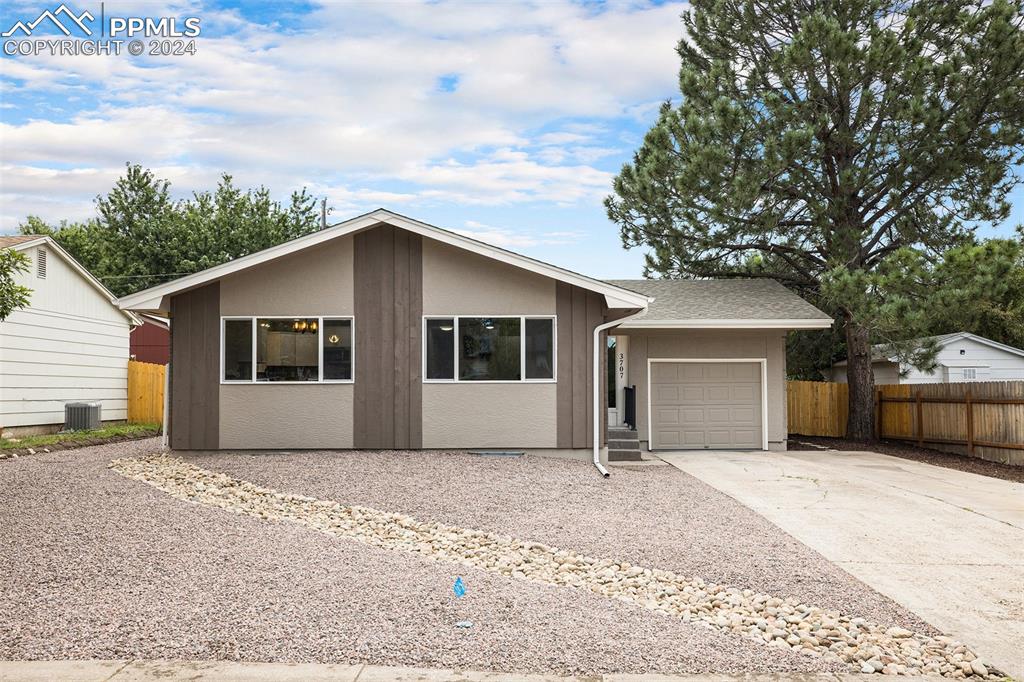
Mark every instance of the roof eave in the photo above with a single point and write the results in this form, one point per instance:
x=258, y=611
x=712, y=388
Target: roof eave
x=811, y=323
x=615, y=297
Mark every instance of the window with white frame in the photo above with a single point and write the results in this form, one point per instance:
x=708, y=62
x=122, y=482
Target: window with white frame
x=498, y=348
x=287, y=349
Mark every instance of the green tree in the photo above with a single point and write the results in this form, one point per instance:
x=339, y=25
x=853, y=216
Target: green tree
x=827, y=143
x=976, y=288
x=143, y=237
x=12, y=295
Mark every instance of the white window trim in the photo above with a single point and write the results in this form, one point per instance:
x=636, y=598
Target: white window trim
x=764, y=393
x=320, y=350
x=522, y=349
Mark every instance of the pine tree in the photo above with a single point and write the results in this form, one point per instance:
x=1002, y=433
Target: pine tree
x=830, y=144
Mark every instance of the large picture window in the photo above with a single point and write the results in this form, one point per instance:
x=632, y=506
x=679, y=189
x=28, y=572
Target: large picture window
x=498, y=348
x=287, y=349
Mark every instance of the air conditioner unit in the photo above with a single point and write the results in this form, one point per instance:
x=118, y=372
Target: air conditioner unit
x=82, y=416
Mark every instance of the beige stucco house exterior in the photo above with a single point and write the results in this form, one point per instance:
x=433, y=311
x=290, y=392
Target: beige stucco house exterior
x=384, y=332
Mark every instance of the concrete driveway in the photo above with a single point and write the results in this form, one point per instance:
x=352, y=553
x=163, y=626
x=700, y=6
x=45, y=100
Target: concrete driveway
x=946, y=544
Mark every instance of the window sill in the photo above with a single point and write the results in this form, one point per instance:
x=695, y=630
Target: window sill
x=467, y=382
x=287, y=383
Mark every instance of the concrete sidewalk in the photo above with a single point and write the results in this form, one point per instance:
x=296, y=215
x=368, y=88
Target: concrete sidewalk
x=946, y=544
x=180, y=671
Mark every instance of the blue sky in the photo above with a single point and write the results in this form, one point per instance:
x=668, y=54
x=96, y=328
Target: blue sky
x=506, y=121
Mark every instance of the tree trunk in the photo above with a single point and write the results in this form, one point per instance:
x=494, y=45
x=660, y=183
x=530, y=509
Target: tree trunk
x=861, y=380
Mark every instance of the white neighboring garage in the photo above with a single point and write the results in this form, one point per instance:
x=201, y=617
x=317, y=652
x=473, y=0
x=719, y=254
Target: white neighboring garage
x=708, y=362
x=70, y=344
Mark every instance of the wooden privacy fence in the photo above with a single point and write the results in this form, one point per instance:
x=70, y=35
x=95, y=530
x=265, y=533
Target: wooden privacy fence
x=817, y=408
x=980, y=419
x=145, y=392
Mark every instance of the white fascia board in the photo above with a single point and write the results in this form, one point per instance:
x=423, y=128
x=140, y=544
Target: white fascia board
x=729, y=324
x=622, y=296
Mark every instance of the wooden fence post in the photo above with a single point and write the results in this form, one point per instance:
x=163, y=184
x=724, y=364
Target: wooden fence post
x=878, y=416
x=920, y=420
x=970, y=423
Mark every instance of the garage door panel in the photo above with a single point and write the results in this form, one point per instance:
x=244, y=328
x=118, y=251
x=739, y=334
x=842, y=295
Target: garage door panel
x=698, y=405
x=694, y=438
x=694, y=394
x=692, y=415
x=745, y=416
x=746, y=392
x=747, y=372
x=671, y=438
x=718, y=394
x=719, y=415
x=715, y=372
x=668, y=416
x=668, y=393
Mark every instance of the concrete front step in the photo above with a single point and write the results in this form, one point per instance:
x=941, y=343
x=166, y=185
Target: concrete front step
x=615, y=455
x=623, y=444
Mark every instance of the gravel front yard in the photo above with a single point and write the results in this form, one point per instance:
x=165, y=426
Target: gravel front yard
x=99, y=566
x=652, y=516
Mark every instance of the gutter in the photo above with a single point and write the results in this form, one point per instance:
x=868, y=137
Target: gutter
x=597, y=386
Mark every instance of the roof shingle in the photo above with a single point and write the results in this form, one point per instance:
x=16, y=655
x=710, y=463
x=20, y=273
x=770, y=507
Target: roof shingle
x=9, y=240
x=720, y=299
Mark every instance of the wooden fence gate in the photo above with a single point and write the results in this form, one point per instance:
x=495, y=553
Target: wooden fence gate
x=145, y=392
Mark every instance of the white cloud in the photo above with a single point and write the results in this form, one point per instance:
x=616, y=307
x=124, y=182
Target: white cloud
x=516, y=239
x=348, y=104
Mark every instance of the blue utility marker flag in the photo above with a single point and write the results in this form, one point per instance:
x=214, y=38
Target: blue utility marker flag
x=459, y=588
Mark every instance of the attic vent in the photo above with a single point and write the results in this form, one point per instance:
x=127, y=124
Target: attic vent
x=41, y=263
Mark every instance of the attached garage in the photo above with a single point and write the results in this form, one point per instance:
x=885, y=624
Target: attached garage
x=707, y=405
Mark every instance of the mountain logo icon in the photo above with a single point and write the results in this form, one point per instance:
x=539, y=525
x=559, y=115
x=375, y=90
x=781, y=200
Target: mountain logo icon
x=69, y=16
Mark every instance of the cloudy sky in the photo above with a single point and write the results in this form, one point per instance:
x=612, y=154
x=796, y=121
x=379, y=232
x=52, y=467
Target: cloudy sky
x=507, y=121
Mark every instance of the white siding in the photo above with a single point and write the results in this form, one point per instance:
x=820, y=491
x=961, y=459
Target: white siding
x=885, y=373
x=70, y=344
x=990, y=364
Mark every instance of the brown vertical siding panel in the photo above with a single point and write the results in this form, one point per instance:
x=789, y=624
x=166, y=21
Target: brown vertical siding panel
x=211, y=375
x=385, y=253
x=181, y=380
x=415, y=361
x=197, y=405
x=563, y=391
x=388, y=298
x=400, y=357
x=579, y=367
x=195, y=369
x=595, y=305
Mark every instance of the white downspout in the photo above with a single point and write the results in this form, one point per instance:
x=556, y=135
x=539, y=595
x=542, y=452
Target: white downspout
x=597, y=386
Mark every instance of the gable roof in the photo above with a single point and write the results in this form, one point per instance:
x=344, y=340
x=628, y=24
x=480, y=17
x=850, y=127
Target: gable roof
x=878, y=351
x=10, y=241
x=722, y=304
x=615, y=296
x=23, y=242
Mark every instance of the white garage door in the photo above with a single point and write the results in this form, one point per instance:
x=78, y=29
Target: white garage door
x=713, y=405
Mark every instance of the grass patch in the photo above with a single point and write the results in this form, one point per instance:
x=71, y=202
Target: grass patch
x=112, y=431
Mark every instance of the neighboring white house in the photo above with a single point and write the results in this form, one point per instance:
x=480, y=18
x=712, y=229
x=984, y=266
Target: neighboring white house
x=961, y=357
x=70, y=344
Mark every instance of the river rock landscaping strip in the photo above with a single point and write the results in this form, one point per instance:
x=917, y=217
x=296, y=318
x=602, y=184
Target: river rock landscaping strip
x=786, y=624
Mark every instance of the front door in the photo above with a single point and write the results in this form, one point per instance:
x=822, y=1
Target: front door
x=617, y=379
